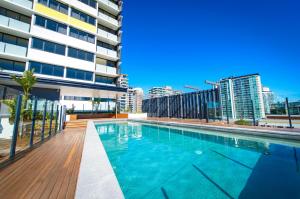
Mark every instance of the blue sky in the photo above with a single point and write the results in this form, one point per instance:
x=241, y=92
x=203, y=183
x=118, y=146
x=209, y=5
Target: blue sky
x=185, y=42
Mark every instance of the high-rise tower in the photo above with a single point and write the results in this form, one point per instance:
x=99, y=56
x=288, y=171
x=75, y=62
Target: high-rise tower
x=73, y=46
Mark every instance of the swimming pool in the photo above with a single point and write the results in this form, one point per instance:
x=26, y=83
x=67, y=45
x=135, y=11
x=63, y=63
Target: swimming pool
x=152, y=161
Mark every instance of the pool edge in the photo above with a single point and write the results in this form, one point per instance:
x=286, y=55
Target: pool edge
x=96, y=177
x=232, y=130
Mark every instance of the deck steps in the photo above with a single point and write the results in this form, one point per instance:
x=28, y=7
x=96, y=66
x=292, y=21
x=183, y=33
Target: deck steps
x=76, y=124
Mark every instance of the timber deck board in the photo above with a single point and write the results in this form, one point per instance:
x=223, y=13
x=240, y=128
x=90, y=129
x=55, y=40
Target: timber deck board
x=49, y=171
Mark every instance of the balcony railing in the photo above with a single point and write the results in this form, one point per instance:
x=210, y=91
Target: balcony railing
x=110, y=4
x=24, y=3
x=13, y=49
x=108, y=19
x=107, y=35
x=14, y=24
x=106, y=69
x=107, y=52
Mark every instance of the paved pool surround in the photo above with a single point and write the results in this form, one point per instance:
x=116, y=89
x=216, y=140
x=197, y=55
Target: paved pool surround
x=96, y=176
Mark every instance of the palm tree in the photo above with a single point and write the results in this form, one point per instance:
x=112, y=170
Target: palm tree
x=26, y=82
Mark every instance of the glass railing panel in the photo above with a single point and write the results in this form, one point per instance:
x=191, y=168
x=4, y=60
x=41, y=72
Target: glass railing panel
x=54, y=115
x=48, y=119
x=19, y=25
x=7, y=117
x=111, y=70
x=4, y=20
x=2, y=47
x=112, y=37
x=15, y=50
x=110, y=4
x=101, y=50
x=38, y=121
x=111, y=53
x=24, y=3
x=108, y=19
x=100, y=68
x=25, y=125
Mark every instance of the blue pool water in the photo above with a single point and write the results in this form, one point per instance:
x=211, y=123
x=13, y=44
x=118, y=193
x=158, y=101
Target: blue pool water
x=153, y=161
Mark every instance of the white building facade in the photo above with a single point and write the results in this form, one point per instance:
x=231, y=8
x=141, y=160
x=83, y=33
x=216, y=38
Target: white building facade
x=73, y=46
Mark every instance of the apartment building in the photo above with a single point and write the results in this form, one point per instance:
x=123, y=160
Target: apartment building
x=135, y=99
x=73, y=46
x=268, y=97
x=123, y=99
x=241, y=97
x=162, y=91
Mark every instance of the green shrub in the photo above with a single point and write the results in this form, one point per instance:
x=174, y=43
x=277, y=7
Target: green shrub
x=243, y=122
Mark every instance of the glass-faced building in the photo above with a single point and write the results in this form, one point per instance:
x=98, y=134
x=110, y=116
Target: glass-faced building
x=73, y=46
x=241, y=97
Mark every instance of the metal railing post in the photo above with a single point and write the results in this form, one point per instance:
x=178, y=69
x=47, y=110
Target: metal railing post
x=16, y=127
x=206, y=110
x=33, y=122
x=51, y=118
x=289, y=113
x=43, y=124
x=60, y=118
x=253, y=113
x=56, y=118
x=181, y=108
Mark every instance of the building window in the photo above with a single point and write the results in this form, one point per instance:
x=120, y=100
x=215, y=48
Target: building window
x=91, y=3
x=82, y=16
x=55, y=5
x=46, y=69
x=106, y=80
x=78, y=34
x=106, y=45
x=80, y=54
x=79, y=74
x=13, y=40
x=14, y=15
x=51, y=25
x=12, y=65
x=48, y=46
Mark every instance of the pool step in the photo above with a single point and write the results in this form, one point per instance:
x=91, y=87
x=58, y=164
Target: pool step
x=76, y=124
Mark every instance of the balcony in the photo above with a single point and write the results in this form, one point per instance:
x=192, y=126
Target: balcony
x=110, y=6
x=106, y=70
x=107, y=54
x=13, y=50
x=107, y=20
x=111, y=38
x=23, y=3
x=14, y=24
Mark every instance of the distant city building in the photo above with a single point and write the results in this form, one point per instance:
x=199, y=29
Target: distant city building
x=162, y=91
x=242, y=95
x=268, y=98
x=123, y=99
x=135, y=100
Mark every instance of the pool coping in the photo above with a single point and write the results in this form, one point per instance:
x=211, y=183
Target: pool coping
x=96, y=177
x=232, y=130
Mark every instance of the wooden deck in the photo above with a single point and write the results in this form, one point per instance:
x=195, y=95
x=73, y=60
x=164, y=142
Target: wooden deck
x=49, y=171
